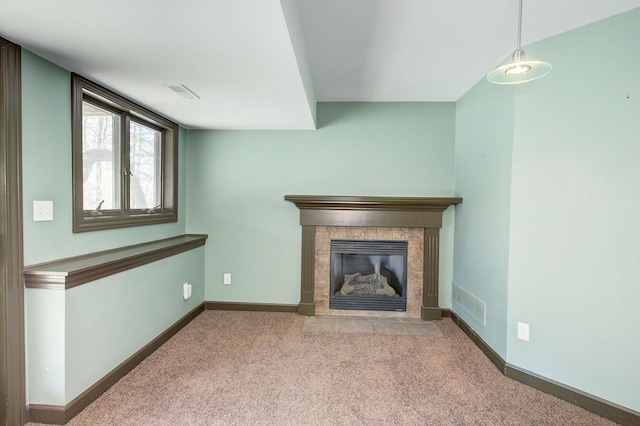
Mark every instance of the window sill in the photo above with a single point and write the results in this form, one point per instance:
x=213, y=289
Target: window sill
x=73, y=271
x=102, y=222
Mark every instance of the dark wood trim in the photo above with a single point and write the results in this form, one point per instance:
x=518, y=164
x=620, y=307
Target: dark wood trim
x=599, y=406
x=254, y=307
x=430, y=313
x=62, y=414
x=361, y=217
x=608, y=409
x=307, y=305
x=12, y=346
x=493, y=356
x=430, y=273
x=48, y=414
x=70, y=272
x=82, y=222
x=339, y=202
x=403, y=212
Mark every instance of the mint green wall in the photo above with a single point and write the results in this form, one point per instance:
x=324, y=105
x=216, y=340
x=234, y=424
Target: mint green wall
x=557, y=160
x=134, y=307
x=45, y=334
x=237, y=181
x=575, y=237
x=484, y=135
x=46, y=151
x=74, y=337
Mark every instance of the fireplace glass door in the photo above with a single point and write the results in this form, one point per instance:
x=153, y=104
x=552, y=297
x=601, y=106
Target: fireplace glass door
x=368, y=275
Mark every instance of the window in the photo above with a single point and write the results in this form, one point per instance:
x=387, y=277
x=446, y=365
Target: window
x=124, y=161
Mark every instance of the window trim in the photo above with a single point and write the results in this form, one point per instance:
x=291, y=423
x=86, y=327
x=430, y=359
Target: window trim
x=168, y=212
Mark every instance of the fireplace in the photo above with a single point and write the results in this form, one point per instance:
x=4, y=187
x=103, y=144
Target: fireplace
x=368, y=275
x=415, y=220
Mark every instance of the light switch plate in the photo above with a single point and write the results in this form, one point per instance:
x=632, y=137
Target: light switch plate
x=42, y=211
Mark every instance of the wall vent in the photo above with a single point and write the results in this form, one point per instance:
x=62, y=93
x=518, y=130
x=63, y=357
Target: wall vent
x=470, y=303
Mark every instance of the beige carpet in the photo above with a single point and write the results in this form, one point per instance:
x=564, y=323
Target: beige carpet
x=254, y=368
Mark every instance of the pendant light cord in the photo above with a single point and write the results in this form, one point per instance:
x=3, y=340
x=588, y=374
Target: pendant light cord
x=518, y=45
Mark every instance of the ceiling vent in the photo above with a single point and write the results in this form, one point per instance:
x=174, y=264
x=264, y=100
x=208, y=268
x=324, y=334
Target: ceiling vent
x=184, y=92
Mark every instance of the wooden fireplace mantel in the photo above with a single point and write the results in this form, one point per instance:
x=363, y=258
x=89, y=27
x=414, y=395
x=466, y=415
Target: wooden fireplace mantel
x=406, y=212
x=348, y=202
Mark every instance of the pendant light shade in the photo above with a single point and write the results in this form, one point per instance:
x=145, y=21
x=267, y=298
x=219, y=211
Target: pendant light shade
x=519, y=70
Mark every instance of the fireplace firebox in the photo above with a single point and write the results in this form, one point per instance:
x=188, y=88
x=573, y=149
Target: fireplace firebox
x=368, y=275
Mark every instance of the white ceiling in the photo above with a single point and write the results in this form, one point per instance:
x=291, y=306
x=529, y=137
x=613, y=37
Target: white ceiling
x=263, y=64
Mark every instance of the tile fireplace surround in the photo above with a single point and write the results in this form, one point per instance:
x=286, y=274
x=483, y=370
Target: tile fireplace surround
x=414, y=219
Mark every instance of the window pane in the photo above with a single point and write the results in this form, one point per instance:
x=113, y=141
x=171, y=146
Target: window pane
x=100, y=158
x=144, y=164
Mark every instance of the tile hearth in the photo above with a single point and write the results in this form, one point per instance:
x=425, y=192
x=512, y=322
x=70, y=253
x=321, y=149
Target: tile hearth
x=370, y=325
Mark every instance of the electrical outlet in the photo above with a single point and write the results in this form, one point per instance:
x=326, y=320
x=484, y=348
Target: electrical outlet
x=186, y=291
x=227, y=279
x=523, y=331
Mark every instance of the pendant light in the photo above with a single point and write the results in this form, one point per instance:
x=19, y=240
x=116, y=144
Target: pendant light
x=519, y=70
